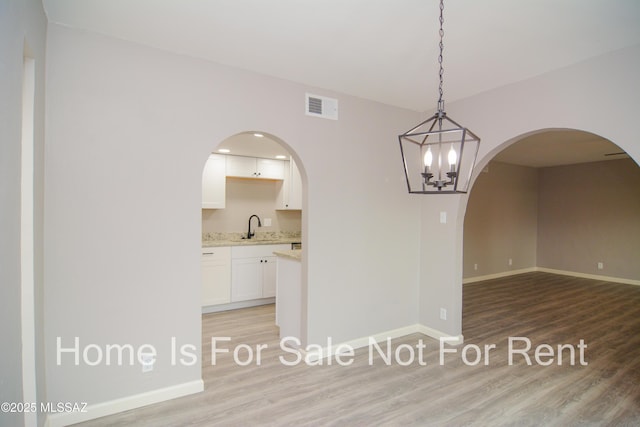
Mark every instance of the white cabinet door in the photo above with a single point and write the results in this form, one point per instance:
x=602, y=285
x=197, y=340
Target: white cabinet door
x=214, y=182
x=243, y=167
x=269, y=276
x=216, y=276
x=246, y=279
x=253, y=271
x=251, y=167
x=270, y=168
x=290, y=192
x=295, y=187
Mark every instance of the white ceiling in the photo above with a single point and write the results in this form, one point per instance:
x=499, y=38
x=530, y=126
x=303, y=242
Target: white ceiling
x=382, y=50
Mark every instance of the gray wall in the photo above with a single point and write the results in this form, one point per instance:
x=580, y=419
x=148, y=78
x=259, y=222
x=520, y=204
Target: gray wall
x=501, y=221
x=565, y=218
x=590, y=213
x=22, y=30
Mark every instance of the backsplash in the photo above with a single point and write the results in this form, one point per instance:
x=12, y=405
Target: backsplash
x=246, y=197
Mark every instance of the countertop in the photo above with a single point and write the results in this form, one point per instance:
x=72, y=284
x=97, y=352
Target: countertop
x=295, y=254
x=248, y=242
x=210, y=240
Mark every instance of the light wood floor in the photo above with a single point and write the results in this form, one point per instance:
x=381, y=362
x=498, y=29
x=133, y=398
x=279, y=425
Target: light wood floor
x=542, y=307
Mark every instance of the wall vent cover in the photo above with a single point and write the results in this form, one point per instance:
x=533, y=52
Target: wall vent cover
x=321, y=106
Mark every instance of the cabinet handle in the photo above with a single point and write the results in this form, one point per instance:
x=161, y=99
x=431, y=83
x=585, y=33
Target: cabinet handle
x=207, y=253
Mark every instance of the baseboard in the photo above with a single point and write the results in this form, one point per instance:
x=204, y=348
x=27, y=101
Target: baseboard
x=434, y=333
x=361, y=342
x=236, y=305
x=590, y=276
x=124, y=404
x=498, y=275
x=552, y=271
x=382, y=337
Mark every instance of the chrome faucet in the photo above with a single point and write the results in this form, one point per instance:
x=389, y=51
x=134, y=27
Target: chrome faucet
x=249, y=233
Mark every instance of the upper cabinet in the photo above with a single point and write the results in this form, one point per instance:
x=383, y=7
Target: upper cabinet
x=251, y=167
x=295, y=187
x=213, y=182
x=290, y=195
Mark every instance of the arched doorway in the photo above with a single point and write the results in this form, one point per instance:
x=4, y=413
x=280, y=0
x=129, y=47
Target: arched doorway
x=557, y=200
x=268, y=203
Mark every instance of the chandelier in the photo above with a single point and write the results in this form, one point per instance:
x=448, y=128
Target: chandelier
x=427, y=146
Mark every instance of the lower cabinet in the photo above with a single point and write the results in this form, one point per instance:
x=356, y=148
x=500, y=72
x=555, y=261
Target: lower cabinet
x=239, y=273
x=253, y=272
x=216, y=275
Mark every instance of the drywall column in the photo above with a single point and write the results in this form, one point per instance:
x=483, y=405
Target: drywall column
x=441, y=265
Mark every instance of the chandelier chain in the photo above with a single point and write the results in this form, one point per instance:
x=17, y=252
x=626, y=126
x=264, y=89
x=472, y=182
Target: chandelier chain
x=441, y=74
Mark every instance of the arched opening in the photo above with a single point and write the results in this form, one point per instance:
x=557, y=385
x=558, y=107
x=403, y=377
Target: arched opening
x=254, y=198
x=551, y=225
x=553, y=199
x=551, y=232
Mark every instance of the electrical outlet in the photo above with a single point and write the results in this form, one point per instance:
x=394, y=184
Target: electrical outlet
x=475, y=267
x=443, y=313
x=147, y=360
x=267, y=222
x=510, y=261
x=600, y=265
x=443, y=217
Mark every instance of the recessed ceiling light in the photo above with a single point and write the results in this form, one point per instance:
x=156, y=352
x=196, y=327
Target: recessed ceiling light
x=258, y=135
x=280, y=156
x=224, y=150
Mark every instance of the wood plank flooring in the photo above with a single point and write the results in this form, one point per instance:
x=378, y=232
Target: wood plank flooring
x=545, y=308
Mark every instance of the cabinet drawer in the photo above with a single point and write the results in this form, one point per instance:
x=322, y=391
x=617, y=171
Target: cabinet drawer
x=217, y=253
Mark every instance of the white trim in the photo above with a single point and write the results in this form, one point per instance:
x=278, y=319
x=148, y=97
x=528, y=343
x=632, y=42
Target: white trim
x=313, y=356
x=498, y=275
x=361, y=342
x=235, y=305
x=27, y=262
x=124, y=404
x=552, y=271
x=590, y=276
x=436, y=334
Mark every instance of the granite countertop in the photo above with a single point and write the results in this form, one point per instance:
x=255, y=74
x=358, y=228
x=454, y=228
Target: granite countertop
x=210, y=240
x=295, y=254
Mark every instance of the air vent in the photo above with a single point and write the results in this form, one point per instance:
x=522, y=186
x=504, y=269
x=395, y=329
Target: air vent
x=321, y=106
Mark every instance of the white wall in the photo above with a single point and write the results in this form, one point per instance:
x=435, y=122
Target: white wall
x=22, y=30
x=596, y=96
x=129, y=131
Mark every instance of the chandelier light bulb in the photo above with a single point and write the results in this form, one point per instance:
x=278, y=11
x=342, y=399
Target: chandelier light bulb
x=453, y=157
x=428, y=158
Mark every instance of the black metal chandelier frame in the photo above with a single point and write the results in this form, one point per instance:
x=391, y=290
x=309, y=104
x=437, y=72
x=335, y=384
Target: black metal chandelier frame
x=427, y=141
